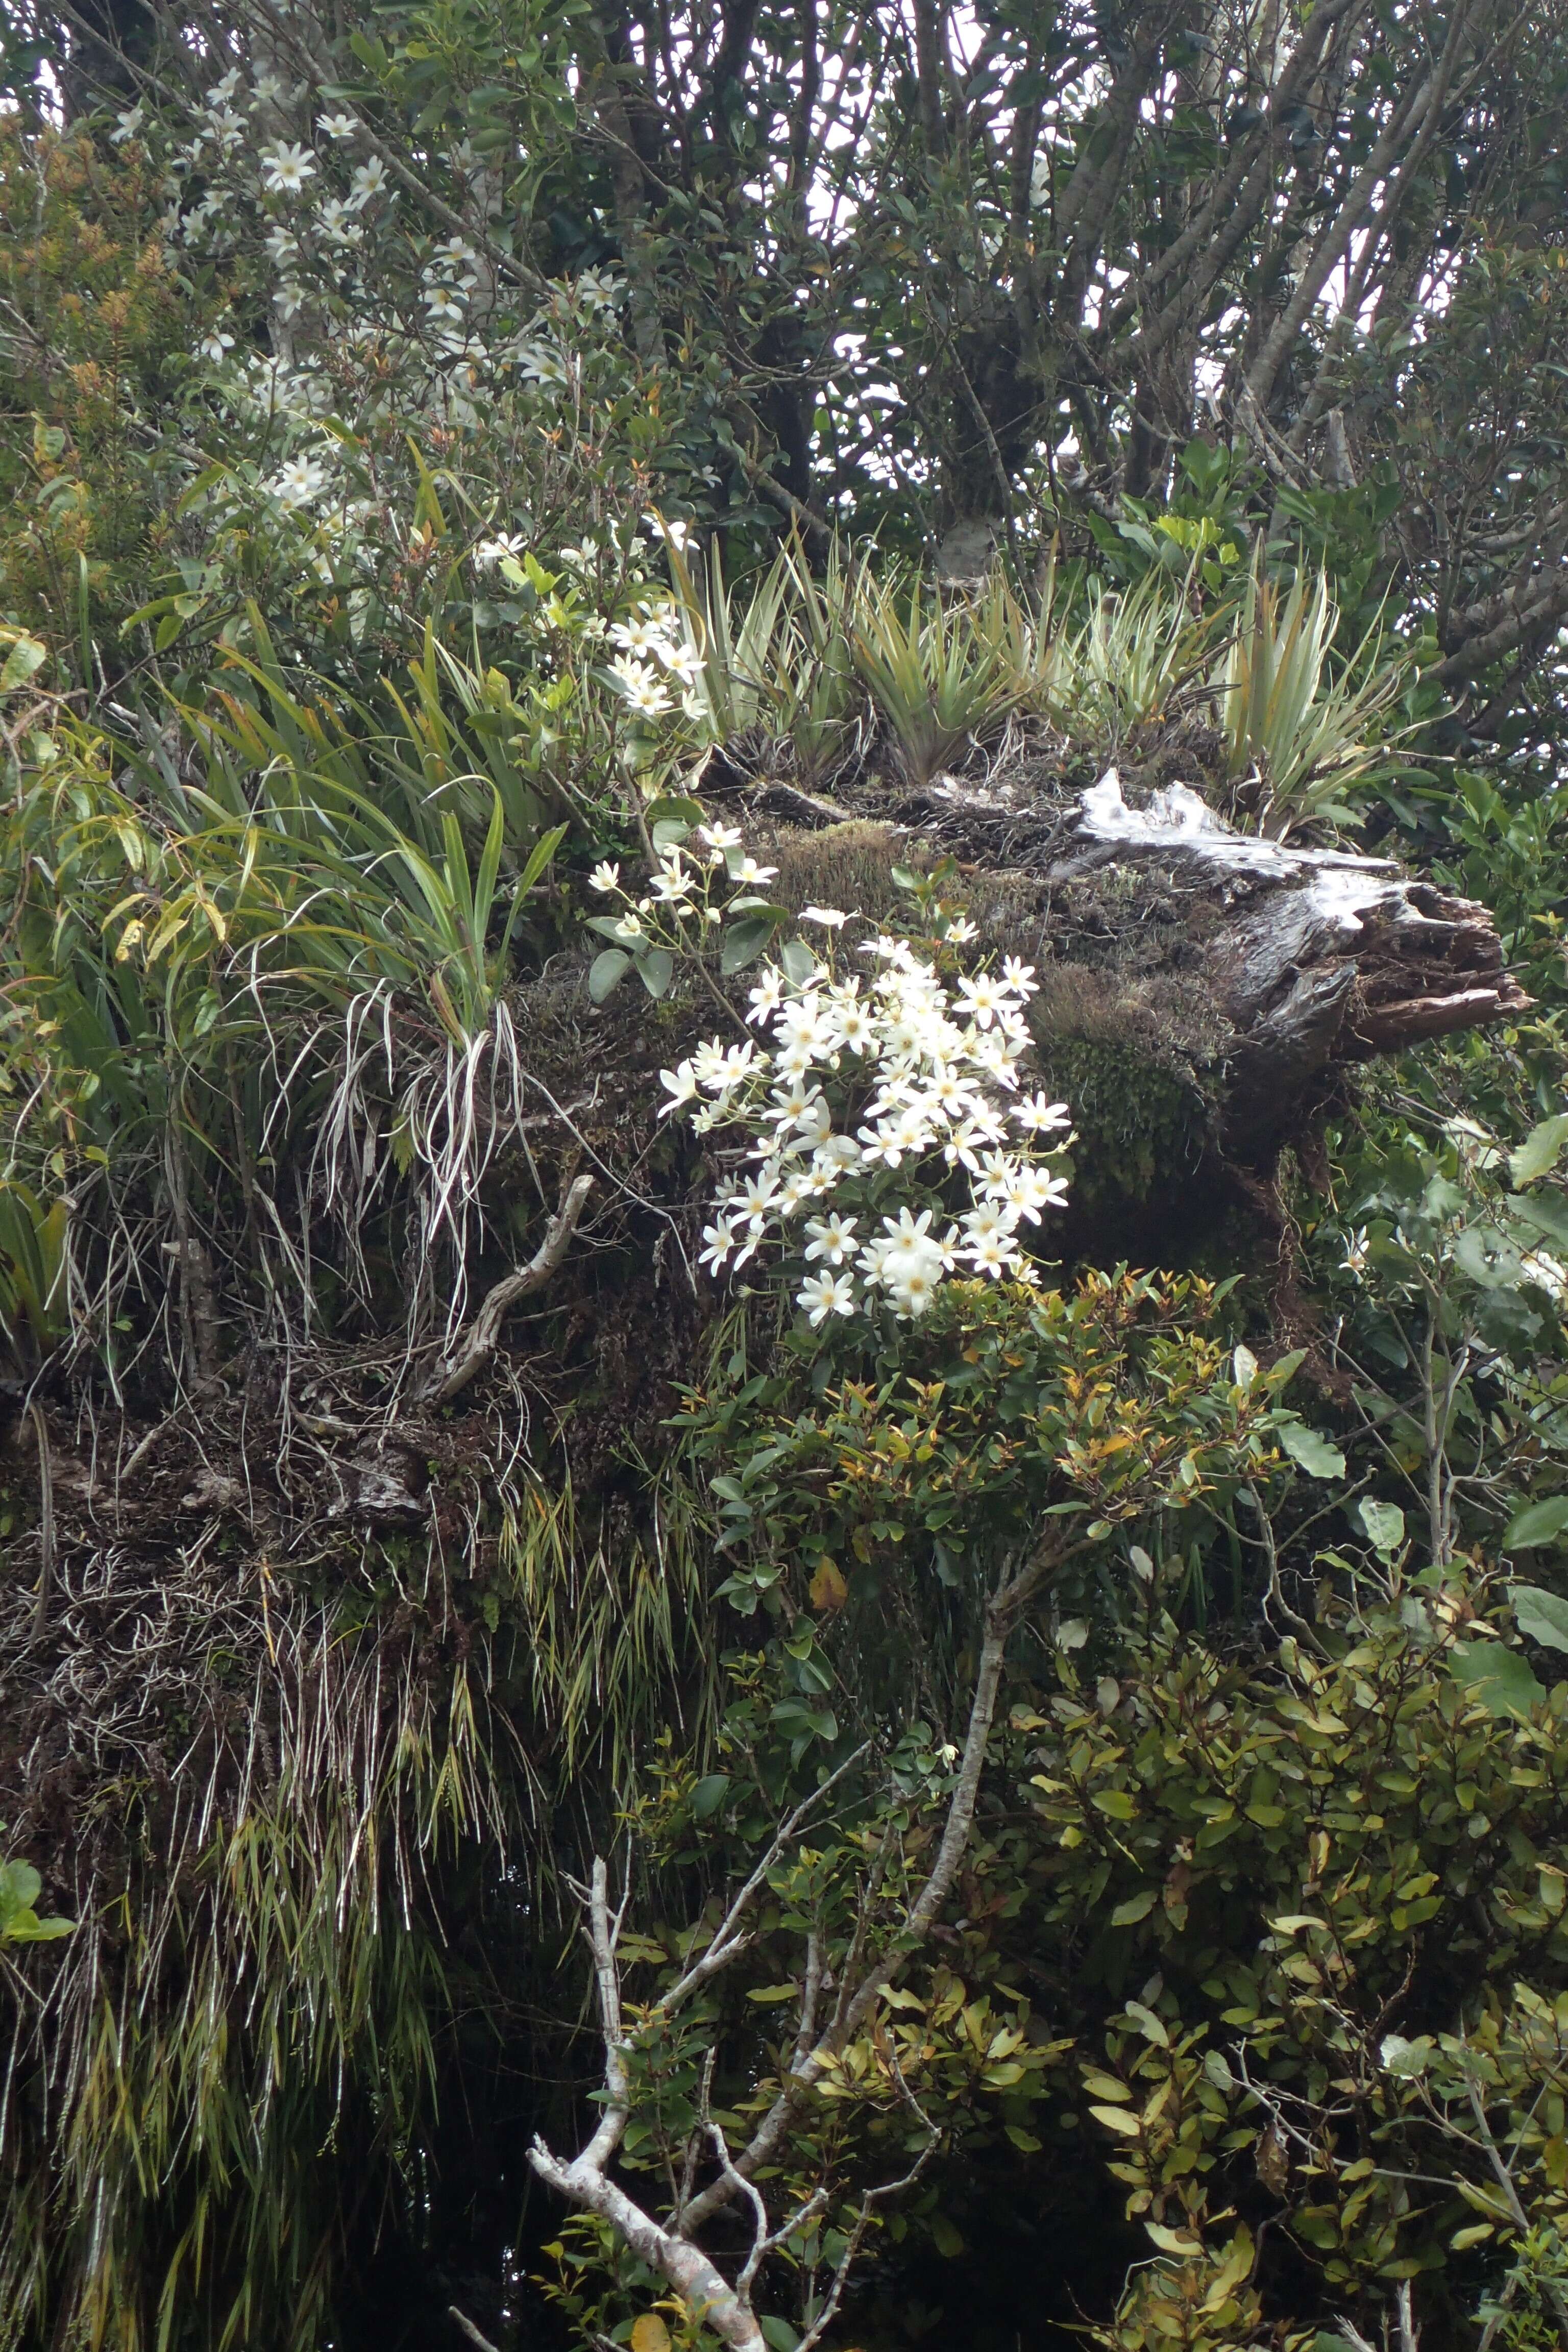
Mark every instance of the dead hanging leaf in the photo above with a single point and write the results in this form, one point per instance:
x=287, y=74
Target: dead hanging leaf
x=828, y=1590
x=649, y=2334
x=1273, y=2162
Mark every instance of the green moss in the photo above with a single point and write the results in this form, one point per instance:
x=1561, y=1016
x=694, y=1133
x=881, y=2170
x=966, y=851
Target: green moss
x=1141, y=1122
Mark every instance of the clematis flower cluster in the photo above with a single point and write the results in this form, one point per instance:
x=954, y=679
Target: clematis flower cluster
x=653, y=658
x=891, y=1142
x=682, y=890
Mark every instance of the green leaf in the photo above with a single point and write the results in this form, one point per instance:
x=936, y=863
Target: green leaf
x=1495, y=1675
x=30, y=1931
x=770, y=1995
x=606, y=971
x=19, y=1885
x=1544, y=1616
x=25, y=657
x=1384, y=1524
x=674, y=808
x=1136, y=1907
x=656, y=970
x=1115, y=1802
x=1150, y=2026
x=744, y=940
x=798, y=960
x=1540, y=1151
x=1317, y=1456
x=539, y=857
x=710, y=1794
x=20, y=1923
x=1538, y=1523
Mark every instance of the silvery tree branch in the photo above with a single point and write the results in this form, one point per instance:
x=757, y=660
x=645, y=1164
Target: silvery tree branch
x=862, y=1986
x=670, y=2247
x=1413, y=124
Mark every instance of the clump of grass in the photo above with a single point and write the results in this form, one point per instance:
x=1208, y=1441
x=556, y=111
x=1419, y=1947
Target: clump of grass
x=250, y=2016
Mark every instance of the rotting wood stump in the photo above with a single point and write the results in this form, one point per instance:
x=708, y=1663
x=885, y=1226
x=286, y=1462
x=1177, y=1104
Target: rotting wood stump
x=1314, y=957
x=1266, y=968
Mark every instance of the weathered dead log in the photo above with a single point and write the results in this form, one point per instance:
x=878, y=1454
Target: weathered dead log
x=1312, y=957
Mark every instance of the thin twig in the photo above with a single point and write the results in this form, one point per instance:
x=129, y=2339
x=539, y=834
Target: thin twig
x=46, y=1518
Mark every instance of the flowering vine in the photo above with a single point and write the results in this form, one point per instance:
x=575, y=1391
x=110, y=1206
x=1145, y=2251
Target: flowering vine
x=883, y=1139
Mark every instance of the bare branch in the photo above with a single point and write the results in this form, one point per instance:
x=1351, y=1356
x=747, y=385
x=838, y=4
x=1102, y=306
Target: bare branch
x=857, y=1998
x=1416, y=122
x=482, y=2343
x=480, y=1342
x=686, y=2266
x=1521, y=616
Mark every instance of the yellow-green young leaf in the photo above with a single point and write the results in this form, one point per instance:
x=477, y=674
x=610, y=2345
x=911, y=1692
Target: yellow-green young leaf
x=1104, y=2086
x=827, y=1589
x=1292, y=1923
x=1159, y=2102
x=649, y=2334
x=1117, y=2119
x=1173, y=2241
x=1238, y=2262
x=1473, y=2236
x=773, y=1992
x=1114, y=1803
x=1485, y=2200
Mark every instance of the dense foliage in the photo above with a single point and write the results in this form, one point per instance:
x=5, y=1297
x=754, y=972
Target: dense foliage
x=722, y=1621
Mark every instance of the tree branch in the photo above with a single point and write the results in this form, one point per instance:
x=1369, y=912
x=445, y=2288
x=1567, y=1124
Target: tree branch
x=857, y=2000
x=478, y=1343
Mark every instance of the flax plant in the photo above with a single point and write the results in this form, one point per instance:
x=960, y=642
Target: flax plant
x=938, y=684
x=1132, y=655
x=1312, y=735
